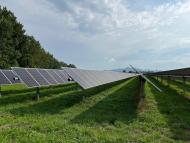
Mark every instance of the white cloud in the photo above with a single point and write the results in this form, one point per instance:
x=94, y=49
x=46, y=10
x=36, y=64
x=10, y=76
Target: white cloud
x=110, y=60
x=84, y=32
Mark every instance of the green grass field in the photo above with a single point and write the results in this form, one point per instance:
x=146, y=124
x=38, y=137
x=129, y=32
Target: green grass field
x=110, y=113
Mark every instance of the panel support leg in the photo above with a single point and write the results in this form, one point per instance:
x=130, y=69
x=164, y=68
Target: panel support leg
x=0, y=91
x=184, y=84
x=168, y=81
x=37, y=93
x=142, y=82
x=161, y=79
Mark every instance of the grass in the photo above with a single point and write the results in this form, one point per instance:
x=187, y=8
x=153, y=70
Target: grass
x=110, y=113
x=177, y=85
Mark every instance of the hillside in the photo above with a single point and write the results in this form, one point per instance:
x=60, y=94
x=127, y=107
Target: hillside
x=19, y=49
x=110, y=113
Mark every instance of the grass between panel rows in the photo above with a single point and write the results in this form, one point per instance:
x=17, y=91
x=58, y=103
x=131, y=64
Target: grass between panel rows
x=110, y=113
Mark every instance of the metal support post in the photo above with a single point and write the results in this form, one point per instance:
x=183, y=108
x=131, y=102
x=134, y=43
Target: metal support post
x=142, y=82
x=38, y=93
x=184, y=84
x=169, y=80
x=0, y=91
x=161, y=79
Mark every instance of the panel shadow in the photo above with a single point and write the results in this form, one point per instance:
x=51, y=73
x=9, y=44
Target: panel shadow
x=119, y=105
x=20, y=97
x=64, y=100
x=176, y=108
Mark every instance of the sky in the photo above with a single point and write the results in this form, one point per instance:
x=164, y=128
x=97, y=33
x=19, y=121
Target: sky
x=110, y=34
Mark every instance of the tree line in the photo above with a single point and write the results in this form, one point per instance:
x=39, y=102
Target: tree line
x=18, y=49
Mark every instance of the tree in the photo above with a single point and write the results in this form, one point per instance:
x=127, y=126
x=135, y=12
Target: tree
x=19, y=49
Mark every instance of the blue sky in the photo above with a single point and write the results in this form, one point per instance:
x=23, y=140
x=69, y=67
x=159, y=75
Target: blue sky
x=109, y=34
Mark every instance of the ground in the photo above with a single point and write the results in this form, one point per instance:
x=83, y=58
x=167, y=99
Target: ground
x=111, y=113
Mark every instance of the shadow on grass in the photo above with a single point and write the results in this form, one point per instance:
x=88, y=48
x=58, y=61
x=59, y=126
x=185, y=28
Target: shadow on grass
x=119, y=105
x=60, y=102
x=28, y=90
x=180, y=85
x=19, y=97
x=176, y=108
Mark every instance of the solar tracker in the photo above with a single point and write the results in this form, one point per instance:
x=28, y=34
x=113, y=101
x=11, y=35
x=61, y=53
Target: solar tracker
x=34, y=77
x=149, y=81
x=91, y=78
x=38, y=76
x=47, y=76
x=26, y=77
x=13, y=78
x=3, y=79
x=55, y=76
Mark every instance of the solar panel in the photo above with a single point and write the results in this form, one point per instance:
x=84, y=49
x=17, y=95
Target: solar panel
x=91, y=78
x=26, y=77
x=64, y=76
x=89, y=82
x=67, y=75
x=38, y=76
x=99, y=76
x=3, y=79
x=55, y=76
x=75, y=76
x=47, y=76
x=176, y=72
x=12, y=77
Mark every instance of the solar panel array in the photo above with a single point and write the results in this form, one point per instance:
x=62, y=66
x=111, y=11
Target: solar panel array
x=92, y=78
x=176, y=72
x=8, y=77
x=34, y=77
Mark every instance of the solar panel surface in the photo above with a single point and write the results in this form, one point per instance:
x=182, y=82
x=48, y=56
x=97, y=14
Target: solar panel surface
x=62, y=75
x=26, y=77
x=91, y=78
x=55, y=76
x=176, y=72
x=38, y=76
x=13, y=78
x=47, y=76
x=3, y=79
x=76, y=77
